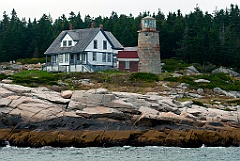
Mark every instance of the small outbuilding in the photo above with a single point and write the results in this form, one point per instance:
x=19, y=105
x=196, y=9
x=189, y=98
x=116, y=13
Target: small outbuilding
x=128, y=59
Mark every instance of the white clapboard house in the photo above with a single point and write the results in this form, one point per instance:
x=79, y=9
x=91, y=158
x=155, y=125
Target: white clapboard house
x=83, y=50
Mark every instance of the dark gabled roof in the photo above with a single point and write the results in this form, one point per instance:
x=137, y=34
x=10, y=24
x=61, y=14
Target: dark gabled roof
x=83, y=38
x=73, y=35
x=114, y=42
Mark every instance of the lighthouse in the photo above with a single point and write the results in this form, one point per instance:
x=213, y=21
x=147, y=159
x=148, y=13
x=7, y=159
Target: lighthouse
x=149, y=47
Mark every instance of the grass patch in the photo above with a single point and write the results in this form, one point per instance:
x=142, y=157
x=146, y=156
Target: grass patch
x=228, y=109
x=199, y=103
x=3, y=76
x=174, y=64
x=35, y=77
x=145, y=77
x=220, y=80
x=32, y=60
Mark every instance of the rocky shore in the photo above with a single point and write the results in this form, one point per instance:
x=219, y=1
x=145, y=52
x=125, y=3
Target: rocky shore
x=36, y=117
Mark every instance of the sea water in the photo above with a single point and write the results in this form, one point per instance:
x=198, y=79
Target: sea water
x=126, y=153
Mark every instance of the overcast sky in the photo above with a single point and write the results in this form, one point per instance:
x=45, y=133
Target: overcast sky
x=36, y=8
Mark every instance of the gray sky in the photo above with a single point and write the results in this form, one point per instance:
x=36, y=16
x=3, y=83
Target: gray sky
x=36, y=8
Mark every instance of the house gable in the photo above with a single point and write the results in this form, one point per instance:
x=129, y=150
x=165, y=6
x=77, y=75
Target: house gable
x=67, y=41
x=100, y=50
x=97, y=43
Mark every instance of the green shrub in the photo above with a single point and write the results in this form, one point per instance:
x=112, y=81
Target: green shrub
x=205, y=68
x=174, y=64
x=195, y=102
x=35, y=77
x=146, y=77
x=220, y=80
x=228, y=109
x=3, y=76
x=171, y=79
x=32, y=60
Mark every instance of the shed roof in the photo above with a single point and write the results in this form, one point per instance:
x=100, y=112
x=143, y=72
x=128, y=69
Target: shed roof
x=128, y=54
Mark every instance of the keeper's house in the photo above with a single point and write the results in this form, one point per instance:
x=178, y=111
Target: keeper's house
x=83, y=50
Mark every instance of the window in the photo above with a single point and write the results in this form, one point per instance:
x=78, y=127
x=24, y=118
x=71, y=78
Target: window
x=127, y=64
x=64, y=43
x=78, y=57
x=54, y=58
x=104, y=57
x=84, y=56
x=66, y=57
x=95, y=44
x=109, y=57
x=70, y=43
x=145, y=50
x=60, y=58
x=94, y=56
x=104, y=45
x=114, y=59
x=71, y=59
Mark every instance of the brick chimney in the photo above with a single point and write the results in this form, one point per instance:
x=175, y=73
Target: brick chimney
x=92, y=25
x=70, y=26
x=101, y=26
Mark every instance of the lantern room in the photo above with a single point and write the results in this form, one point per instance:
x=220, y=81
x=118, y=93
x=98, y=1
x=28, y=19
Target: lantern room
x=148, y=24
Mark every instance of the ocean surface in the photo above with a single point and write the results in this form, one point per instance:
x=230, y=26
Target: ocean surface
x=120, y=153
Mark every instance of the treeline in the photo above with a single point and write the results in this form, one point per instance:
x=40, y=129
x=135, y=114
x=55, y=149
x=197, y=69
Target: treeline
x=195, y=37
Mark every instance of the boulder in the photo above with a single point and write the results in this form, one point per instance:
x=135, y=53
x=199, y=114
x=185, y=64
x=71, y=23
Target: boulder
x=192, y=95
x=7, y=81
x=191, y=70
x=226, y=71
x=5, y=93
x=201, y=81
x=122, y=106
x=74, y=105
x=66, y=94
x=102, y=112
x=51, y=96
x=4, y=102
x=147, y=110
x=187, y=104
x=221, y=91
x=16, y=88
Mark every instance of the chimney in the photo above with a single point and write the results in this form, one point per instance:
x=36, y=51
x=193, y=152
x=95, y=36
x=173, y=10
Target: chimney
x=70, y=26
x=101, y=26
x=92, y=25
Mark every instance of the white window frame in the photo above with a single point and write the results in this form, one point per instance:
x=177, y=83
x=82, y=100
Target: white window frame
x=64, y=43
x=95, y=44
x=66, y=58
x=60, y=58
x=109, y=57
x=104, y=45
x=54, y=59
x=104, y=56
x=127, y=64
x=69, y=42
x=94, y=56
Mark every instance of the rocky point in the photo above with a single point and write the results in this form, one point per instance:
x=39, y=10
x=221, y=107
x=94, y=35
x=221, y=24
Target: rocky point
x=37, y=117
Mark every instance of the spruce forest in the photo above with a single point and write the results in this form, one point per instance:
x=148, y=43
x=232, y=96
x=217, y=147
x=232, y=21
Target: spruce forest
x=198, y=36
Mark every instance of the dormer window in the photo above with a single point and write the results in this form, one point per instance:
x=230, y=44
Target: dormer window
x=70, y=43
x=64, y=43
